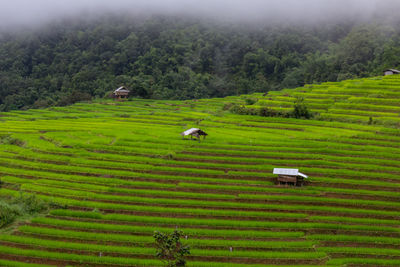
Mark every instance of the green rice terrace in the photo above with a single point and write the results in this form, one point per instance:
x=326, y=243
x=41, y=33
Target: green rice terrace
x=113, y=172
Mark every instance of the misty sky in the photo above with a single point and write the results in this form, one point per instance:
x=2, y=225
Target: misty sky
x=31, y=12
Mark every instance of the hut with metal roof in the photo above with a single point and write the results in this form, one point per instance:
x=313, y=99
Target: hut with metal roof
x=121, y=93
x=390, y=72
x=194, y=132
x=290, y=176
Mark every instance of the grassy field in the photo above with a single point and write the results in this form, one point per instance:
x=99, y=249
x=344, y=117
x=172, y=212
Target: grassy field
x=114, y=172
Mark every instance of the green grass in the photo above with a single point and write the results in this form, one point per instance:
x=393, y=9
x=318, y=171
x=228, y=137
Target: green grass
x=140, y=240
x=77, y=257
x=150, y=229
x=113, y=173
x=356, y=238
x=363, y=261
x=134, y=250
x=8, y=263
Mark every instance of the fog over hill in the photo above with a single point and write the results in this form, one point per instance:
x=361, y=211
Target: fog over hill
x=30, y=13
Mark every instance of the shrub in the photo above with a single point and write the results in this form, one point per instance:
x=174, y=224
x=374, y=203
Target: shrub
x=242, y=110
x=250, y=101
x=8, y=213
x=10, y=209
x=9, y=140
x=227, y=106
x=300, y=109
x=266, y=112
x=370, y=121
x=170, y=250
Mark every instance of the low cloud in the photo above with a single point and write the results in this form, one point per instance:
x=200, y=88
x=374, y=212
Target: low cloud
x=32, y=12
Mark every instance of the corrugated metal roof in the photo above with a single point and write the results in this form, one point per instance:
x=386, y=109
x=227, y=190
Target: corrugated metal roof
x=394, y=70
x=190, y=131
x=286, y=171
x=302, y=175
x=294, y=172
x=121, y=89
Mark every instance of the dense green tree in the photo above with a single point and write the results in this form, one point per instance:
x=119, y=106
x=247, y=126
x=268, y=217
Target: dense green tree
x=183, y=58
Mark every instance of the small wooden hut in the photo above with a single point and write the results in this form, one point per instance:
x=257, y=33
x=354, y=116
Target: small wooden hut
x=121, y=93
x=390, y=72
x=196, y=132
x=290, y=176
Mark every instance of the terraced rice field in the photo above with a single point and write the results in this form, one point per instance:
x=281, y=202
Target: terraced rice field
x=122, y=171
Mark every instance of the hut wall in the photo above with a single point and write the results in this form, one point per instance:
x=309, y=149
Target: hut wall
x=388, y=73
x=287, y=179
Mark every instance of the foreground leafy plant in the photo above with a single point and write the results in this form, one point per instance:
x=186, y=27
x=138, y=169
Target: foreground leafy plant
x=170, y=250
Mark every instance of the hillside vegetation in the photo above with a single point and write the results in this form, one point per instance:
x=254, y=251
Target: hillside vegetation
x=365, y=101
x=118, y=171
x=184, y=58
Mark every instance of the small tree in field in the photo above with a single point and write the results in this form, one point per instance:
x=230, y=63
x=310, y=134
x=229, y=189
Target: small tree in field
x=170, y=250
x=300, y=109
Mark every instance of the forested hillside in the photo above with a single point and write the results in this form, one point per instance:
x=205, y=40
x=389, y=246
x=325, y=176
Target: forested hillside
x=183, y=58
